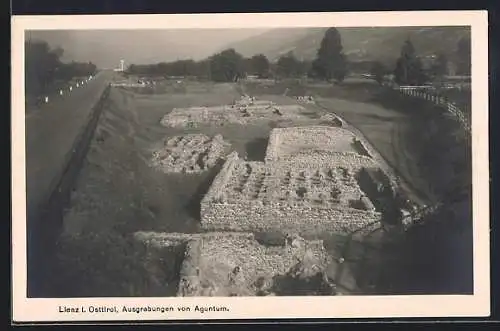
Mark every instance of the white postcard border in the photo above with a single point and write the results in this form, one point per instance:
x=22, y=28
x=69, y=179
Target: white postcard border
x=31, y=310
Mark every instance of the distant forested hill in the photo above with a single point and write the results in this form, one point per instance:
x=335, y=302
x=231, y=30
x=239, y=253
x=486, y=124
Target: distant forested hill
x=378, y=43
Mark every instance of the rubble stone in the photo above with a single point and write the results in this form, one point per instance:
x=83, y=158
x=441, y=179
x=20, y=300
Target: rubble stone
x=192, y=153
x=244, y=111
x=232, y=265
x=297, y=189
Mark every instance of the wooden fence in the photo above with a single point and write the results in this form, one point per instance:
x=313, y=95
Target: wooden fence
x=422, y=214
x=419, y=92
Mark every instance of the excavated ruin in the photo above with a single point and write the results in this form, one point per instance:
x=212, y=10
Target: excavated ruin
x=314, y=180
x=240, y=266
x=258, y=264
x=256, y=196
x=309, y=184
x=293, y=143
x=244, y=111
x=237, y=264
x=332, y=119
x=193, y=153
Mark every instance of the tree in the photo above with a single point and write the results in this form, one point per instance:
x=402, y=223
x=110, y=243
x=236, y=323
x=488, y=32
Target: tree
x=316, y=69
x=463, y=53
x=288, y=66
x=227, y=66
x=304, y=68
x=330, y=62
x=440, y=67
x=41, y=66
x=409, y=70
x=259, y=65
x=378, y=71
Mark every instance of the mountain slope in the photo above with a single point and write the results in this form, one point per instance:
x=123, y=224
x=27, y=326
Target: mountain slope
x=377, y=43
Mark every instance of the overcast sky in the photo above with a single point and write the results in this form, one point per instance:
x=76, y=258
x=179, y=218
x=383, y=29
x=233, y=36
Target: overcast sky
x=106, y=47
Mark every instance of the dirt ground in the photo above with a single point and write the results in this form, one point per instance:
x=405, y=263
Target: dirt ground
x=118, y=194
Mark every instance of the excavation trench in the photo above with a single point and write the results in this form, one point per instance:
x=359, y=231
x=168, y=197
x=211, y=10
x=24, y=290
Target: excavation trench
x=118, y=193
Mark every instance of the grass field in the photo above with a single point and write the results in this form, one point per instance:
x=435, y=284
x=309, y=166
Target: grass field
x=118, y=194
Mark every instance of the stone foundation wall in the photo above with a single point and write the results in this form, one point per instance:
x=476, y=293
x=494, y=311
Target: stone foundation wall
x=222, y=264
x=335, y=120
x=256, y=216
x=315, y=141
x=272, y=144
x=189, y=280
x=248, y=196
x=236, y=114
x=217, y=188
x=324, y=138
x=360, y=147
x=192, y=153
x=348, y=160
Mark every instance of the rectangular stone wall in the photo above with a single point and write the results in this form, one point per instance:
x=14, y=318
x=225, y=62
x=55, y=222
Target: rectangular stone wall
x=217, y=188
x=324, y=138
x=360, y=147
x=255, y=216
x=189, y=278
x=272, y=146
x=348, y=160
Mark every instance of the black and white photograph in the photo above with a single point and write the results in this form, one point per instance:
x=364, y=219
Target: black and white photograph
x=205, y=163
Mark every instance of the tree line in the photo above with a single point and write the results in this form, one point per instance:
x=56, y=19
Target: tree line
x=410, y=70
x=330, y=64
x=225, y=66
x=229, y=65
x=44, y=68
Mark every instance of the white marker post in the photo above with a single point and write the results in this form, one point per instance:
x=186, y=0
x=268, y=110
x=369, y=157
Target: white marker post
x=46, y=99
x=60, y=92
x=77, y=85
x=71, y=88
